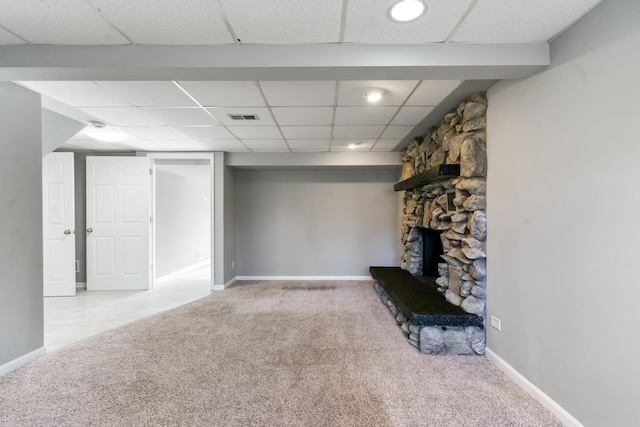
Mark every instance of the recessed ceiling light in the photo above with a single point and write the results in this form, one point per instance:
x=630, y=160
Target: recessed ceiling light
x=375, y=95
x=99, y=131
x=407, y=10
x=353, y=146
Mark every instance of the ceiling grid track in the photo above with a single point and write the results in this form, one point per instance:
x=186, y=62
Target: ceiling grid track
x=111, y=24
x=268, y=106
x=224, y=17
x=461, y=21
x=343, y=20
x=397, y=112
x=333, y=115
x=15, y=35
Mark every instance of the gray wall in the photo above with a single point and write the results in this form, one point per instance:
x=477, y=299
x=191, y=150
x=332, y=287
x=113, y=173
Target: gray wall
x=316, y=222
x=229, y=224
x=21, y=316
x=564, y=166
x=182, y=218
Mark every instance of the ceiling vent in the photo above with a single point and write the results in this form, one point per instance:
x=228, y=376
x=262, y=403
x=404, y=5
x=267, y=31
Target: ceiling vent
x=243, y=116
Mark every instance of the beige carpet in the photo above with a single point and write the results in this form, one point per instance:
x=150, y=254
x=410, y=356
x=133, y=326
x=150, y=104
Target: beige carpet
x=264, y=354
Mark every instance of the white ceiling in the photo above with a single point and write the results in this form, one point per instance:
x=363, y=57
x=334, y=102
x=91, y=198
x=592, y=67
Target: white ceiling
x=294, y=115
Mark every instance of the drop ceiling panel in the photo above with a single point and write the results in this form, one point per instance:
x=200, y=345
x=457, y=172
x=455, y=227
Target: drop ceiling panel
x=524, y=21
x=149, y=94
x=309, y=144
x=306, y=132
x=154, y=133
x=396, y=132
x=94, y=145
x=411, y=115
x=255, y=132
x=205, y=132
x=181, y=116
x=367, y=22
x=432, y=92
x=353, y=92
x=225, y=94
x=364, y=115
x=179, y=145
x=303, y=94
x=343, y=145
x=6, y=38
x=78, y=94
x=266, y=144
x=171, y=22
x=222, y=114
x=141, y=145
x=284, y=21
x=230, y=145
x=122, y=116
x=302, y=116
x=357, y=132
x=385, y=144
x=69, y=22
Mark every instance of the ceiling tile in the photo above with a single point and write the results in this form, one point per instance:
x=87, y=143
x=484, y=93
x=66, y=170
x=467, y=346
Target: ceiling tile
x=411, y=115
x=255, y=132
x=343, y=144
x=186, y=116
x=309, y=144
x=367, y=22
x=94, y=145
x=266, y=144
x=154, y=133
x=432, y=92
x=222, y=114
x=149, y=94
x=386, y=144
x=353, y=92
x=78, y=94
x=6, y=38
x=180, y=145
x=70, y=22
x=306, y=132
x=230, y=145
x=141, y=145
x=205, y=132
x=225, y=94
x=303, y=94
x=172, y=22
x=122, y=116
x=524, y=21
x=357, y=132
x=284, y=21
x=364, y=115
x=302, y=116
x=393, y=132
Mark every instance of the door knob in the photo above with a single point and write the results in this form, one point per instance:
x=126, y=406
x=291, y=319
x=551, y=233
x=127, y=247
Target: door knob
x=89, y=230
x=67, y=232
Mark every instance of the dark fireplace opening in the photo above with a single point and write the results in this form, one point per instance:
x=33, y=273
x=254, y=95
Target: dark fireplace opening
x=431, y=252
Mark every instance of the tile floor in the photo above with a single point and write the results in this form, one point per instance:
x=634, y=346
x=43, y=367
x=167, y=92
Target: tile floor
x=70, y=319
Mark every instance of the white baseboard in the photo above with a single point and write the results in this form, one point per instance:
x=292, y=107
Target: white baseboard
x=81, y=285
x=303, y=278
x=565, y=417
x=22, y=360
x=182, y=271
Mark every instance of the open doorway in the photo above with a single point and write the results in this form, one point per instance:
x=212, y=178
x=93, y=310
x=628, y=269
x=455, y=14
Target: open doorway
x=182, y=219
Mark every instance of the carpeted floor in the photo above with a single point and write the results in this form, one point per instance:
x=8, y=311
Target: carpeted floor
x=264, y=354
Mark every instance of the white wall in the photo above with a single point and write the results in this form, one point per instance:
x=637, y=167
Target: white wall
x=563, y=199
x=316, y=222
x=182, y=217
x=21, y=318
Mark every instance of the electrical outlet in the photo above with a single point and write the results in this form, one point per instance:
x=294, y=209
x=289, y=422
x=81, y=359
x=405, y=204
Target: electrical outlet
x=496, y=323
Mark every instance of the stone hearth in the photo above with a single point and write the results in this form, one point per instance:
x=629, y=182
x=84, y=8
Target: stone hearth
x=454, y=207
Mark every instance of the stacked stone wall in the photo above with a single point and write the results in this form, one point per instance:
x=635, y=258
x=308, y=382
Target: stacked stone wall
x=455, y=206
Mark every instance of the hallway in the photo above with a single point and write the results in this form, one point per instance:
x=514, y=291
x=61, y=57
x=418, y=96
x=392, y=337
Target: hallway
x=68, y=320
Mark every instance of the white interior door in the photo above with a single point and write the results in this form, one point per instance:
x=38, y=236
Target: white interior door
x=58, y=217
x=118, y=223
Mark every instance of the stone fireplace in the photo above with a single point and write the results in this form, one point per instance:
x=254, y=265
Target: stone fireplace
x=444, y=226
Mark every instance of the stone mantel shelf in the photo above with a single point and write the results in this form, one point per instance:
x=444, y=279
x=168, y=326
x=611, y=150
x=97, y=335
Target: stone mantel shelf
x=435, y=174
